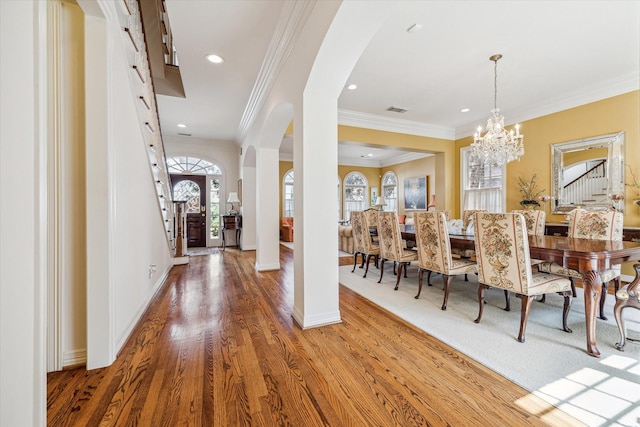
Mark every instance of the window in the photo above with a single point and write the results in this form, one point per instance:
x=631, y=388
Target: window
x=195, y=166
x=482, y=184
x=339, y=199
x=188, y=191
x=355, y=193
x=390, y=191
x=287, y=194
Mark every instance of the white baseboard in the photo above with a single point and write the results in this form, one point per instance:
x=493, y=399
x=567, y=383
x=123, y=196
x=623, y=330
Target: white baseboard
x=143, y=307
x=315, y=321
x=268, y=267
x=74, y=358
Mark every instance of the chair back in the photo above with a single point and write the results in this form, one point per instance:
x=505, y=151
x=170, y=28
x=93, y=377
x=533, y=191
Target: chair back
x=358, y=227
x=432, y=238
x=390, y=236
x=596, y=225
x=467, y=218
x=502, y=251
x=370, y=217
x=535, y=221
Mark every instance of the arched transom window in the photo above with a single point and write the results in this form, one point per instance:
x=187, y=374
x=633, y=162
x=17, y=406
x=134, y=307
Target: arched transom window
x=185, y=164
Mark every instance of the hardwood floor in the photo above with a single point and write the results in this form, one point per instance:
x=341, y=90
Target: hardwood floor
x=218, y=347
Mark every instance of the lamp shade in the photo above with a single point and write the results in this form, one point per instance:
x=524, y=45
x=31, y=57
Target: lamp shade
x=380, y=202
x=233, y=198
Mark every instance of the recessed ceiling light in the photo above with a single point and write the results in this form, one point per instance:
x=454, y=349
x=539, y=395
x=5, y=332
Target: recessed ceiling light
x=370, y=155
x=180, y=125
x=352, y=87
x=465, y=110
x=216, y=59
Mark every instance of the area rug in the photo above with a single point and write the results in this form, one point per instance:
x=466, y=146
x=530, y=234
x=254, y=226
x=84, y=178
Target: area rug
x=551, y=363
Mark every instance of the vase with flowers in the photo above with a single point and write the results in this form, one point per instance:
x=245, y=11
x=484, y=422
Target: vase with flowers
x=529, y=191
x=635, y=184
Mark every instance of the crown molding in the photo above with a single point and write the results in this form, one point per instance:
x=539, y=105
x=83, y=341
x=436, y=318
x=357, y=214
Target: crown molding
x=372, y=121
x=615, y=87
x=291, y=22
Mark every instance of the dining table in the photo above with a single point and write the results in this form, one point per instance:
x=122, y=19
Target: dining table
x=589, y=257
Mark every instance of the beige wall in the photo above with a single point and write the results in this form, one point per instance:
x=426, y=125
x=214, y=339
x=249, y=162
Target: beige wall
x=619, y=113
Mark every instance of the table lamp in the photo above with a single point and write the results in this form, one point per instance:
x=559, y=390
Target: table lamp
x=233, y=198
x=380, y=203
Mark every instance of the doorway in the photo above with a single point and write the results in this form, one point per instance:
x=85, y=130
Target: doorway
x=193, y=190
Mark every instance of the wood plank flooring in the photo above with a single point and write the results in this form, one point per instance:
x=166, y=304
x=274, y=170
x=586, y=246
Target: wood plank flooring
x=218, y=347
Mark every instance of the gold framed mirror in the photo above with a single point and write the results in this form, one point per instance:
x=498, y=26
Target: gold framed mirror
x=588, y=173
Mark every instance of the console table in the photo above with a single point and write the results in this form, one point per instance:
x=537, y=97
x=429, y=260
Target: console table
x=231, y=222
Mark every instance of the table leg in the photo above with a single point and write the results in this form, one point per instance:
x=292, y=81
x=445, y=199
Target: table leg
x=224, y=243
x=592, y=289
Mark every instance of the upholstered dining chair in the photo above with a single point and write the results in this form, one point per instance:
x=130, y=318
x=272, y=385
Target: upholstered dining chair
x=535, y=220
x=371, y=248
x=434, y=251
x=391, y=247
x=357, y=225
x=502, y=254
x=628, y=296
x=596, y=225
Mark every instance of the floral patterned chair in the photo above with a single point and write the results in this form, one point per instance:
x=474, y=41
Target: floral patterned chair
x=357, y=228
x=434, y=251
x=369, y=248
x=502, y=252
x=597, y=225
x=535, y=220
x=391, y=246
x=629, y=296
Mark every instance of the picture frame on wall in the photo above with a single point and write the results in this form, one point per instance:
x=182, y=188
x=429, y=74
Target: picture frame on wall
x=415, y=193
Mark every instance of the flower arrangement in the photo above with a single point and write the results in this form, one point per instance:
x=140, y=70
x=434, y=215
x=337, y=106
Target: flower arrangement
x=529, y=188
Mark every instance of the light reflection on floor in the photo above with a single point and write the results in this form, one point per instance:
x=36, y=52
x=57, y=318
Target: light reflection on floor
x=596, y=398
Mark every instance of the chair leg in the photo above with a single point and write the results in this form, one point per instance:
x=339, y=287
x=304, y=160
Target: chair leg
x=395, y=263
x=381, y=269
x=420, y=271
x=565, y=310
x=481, y=289
x=401, y=266
x=573, y=287
x=524, y=314
x=466, y=279
x=355, y=260
x=429, y=278
x=366, y=270
x=447, y=284
x=603, y=297
x=617, y=313
x=507, y=299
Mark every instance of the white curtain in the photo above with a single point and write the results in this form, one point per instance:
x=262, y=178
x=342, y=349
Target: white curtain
x=488, y=198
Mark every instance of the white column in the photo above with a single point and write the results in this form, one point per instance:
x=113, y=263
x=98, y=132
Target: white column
x=23, y=216
x=248, y=208
x=315, y=160
x=267, y=217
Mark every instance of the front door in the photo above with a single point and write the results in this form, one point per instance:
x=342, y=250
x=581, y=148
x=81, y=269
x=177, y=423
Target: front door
x=193, y=190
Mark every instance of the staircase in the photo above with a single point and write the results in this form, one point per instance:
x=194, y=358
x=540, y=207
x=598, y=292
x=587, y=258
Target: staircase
x=589, y=188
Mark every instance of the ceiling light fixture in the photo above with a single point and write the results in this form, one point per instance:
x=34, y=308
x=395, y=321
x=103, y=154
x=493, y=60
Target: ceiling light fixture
x=180, y=125
x=352, y=87
x=497, y=146
x=216, y=59
x=465, y=110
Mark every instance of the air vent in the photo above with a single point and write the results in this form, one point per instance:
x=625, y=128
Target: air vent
x=397, y=110
x=184, y=134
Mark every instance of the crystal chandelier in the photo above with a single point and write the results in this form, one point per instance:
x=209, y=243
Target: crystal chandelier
x=498, y=146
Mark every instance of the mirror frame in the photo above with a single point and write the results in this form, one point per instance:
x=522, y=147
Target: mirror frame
x=614, y=171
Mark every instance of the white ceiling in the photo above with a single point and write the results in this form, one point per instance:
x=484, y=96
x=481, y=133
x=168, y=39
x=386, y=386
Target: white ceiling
x=556, y=55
